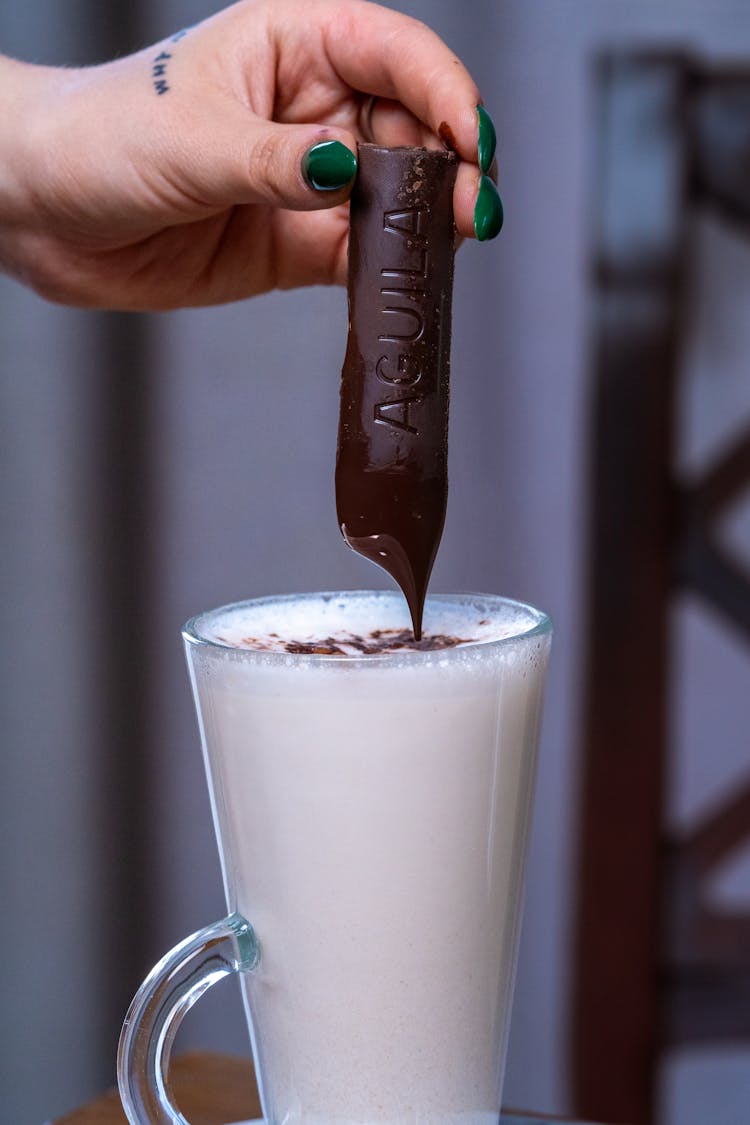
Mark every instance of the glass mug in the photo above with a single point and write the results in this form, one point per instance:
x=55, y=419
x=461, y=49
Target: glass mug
x=372, y=813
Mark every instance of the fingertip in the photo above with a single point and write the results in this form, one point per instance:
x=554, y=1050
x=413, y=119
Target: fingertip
x=459, y=130
x=488, y=211
x=477, y=206
x=467, y=133
x=464, y=199
x=328, y=165
x=486, y=139
x=302, y=168
x=296, y=167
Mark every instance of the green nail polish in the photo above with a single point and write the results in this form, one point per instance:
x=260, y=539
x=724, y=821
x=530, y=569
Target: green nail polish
x=487, y=141
x=488, y=211
x=329, y=166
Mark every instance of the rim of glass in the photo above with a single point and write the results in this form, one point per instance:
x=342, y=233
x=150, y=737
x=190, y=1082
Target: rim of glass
x=539, y=626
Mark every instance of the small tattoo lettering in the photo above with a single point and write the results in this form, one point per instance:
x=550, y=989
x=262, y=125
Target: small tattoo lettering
x=158, y=72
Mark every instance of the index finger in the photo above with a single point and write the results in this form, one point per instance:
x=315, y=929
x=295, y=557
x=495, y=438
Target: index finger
x=382, y=52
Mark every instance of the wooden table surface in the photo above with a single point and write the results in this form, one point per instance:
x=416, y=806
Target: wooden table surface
x=210, y=1090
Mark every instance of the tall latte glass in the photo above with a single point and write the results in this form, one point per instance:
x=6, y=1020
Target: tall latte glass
x=371, y=803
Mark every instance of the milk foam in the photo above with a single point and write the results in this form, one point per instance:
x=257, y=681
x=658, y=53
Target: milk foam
x=357, y=622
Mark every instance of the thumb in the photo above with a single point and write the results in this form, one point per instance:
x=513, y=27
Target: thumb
x=298, y=167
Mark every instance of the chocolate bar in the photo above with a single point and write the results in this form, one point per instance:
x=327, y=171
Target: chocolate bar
x=391, y=465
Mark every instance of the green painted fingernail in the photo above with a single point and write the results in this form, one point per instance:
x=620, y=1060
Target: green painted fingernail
x=487, y=141
x=329, y=166
x=488, y=211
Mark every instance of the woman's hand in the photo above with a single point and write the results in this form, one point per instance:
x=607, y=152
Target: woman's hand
x=216, y=164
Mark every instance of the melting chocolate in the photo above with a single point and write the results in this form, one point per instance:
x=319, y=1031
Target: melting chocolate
x=391, y=465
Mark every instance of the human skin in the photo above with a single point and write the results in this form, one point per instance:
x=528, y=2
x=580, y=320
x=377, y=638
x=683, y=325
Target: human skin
x=174, y=176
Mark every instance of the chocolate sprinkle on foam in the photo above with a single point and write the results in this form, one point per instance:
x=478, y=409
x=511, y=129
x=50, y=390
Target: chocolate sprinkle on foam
x=379, y=642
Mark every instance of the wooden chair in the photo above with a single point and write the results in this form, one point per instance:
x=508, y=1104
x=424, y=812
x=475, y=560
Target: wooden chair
x=656, y=966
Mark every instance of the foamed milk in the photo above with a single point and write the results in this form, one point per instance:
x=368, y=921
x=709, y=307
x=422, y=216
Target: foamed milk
x=372, y=815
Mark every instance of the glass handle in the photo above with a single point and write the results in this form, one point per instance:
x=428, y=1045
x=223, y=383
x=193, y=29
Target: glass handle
x=168, y=992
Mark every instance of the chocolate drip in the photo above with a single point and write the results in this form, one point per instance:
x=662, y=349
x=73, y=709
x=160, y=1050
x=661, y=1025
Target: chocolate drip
x=391, y=467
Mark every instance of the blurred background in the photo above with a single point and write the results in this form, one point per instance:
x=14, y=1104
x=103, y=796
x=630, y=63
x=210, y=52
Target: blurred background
x=153, y=466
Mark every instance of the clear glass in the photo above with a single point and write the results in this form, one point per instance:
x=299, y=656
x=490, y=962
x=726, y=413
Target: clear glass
x=372, y=815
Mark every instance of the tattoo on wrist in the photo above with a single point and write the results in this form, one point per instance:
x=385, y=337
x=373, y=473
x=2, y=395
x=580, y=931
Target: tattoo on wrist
x=159, y=64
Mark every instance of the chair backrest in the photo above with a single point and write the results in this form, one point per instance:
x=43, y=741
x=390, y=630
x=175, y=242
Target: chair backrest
x=656, y=966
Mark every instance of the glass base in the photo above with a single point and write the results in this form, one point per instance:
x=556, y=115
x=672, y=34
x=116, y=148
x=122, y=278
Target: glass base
x=505, y=1119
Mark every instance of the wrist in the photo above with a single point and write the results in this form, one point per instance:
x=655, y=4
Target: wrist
x=28, y=109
